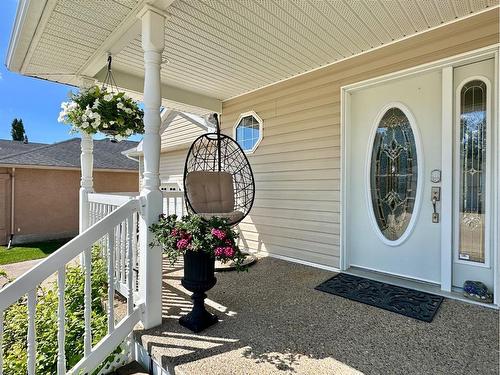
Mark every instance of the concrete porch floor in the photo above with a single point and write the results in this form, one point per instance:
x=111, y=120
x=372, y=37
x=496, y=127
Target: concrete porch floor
x=272, y=321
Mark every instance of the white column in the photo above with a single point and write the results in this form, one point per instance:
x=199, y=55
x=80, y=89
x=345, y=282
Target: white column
x=86, y=182
x=150, y=274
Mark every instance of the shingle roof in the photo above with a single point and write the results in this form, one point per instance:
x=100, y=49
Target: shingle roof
x=14, y=147
x=66, y=154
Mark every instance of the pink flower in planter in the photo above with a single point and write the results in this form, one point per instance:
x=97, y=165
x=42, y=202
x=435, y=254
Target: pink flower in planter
x=229, y=251
x=174, y=232
x=182, y=244
x=220, y=234
x=219, y=251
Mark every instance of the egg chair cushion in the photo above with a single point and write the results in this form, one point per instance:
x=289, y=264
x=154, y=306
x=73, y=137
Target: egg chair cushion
x=210, y=192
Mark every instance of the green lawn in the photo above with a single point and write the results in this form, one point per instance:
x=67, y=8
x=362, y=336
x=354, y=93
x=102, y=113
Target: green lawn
x=31, y=251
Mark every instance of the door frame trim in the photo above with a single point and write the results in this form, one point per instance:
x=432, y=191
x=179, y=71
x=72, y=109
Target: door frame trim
x=446, y=66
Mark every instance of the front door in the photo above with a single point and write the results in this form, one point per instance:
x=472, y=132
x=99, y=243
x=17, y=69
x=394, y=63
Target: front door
x=394, y=145
x=393, y=172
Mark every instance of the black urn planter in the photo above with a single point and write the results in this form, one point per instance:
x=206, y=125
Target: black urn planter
x=199, y=269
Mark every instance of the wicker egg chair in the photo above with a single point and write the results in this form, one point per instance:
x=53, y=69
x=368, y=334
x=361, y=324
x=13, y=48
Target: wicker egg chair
x=218, y=179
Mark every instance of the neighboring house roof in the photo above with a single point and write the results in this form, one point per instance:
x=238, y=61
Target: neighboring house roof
x=14, y=147
x=66, y=154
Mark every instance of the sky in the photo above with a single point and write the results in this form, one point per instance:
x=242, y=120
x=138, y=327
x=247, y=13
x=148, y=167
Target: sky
x=35, y=101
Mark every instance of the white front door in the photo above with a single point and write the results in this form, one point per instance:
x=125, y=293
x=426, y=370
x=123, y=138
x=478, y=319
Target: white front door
x=394, y=144
x=393, y=166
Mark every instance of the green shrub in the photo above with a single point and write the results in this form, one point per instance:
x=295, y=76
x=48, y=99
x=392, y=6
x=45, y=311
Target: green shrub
x=16, y=321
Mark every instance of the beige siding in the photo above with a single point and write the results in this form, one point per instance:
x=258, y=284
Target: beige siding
x=179, y=132
x=297, y=165
x=172, y=165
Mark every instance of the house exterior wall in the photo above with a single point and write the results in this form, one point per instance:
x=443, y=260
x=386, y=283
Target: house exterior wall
x=297, y=165
x=46, y=200
x=179, y=133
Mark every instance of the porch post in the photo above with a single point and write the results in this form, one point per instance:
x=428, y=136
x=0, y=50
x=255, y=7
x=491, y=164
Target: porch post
x=86, y=181
x=150, y=275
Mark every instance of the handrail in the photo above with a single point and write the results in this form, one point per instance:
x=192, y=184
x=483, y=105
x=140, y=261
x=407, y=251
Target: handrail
x=115, y=199
x=50, y=265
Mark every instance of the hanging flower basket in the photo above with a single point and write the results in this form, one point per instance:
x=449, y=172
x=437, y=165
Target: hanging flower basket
x=94, y=110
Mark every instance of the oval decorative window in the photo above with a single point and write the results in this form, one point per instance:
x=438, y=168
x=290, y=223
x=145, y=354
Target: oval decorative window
x=393, y=174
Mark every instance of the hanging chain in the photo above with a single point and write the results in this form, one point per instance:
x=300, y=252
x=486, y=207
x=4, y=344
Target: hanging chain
x=109, y=80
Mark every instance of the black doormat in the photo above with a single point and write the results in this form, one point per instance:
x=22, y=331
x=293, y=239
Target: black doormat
x=412, y=303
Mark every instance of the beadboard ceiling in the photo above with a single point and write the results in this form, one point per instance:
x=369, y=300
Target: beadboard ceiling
x=224, y=48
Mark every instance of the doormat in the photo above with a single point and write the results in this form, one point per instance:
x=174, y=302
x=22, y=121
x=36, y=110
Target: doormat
x=408, y=302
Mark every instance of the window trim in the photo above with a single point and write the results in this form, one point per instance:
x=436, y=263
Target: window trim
x=420, y=174
x=261, y=130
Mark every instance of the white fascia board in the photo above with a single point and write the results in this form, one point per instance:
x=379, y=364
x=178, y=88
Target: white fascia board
x=28, y=15
x=133, y=83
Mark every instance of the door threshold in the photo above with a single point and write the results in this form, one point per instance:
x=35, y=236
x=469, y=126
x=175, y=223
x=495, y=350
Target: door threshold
x=422, y=286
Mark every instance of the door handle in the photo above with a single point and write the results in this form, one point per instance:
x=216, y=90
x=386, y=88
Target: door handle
x=435, y=197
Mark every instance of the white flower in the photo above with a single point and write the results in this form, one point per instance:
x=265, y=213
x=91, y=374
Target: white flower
x=85, y=124
x=129, y=131
x=97, y=117
x=84, y=117
x=119, y=105
x=96, y=104
x=95, y=125
x=62, y=116
x=72, y=106
x=108, y=97
x=128, y=110
x=111, y=122
x=119, y=138
x=105, y=126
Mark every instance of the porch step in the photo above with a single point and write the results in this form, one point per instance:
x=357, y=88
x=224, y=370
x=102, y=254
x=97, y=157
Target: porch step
x=131, y=368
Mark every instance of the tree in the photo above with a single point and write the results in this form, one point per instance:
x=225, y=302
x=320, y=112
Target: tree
x=18, y=133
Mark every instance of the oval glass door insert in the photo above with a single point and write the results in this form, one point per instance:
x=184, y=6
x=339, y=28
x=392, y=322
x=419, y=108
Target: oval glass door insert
x=393, y=174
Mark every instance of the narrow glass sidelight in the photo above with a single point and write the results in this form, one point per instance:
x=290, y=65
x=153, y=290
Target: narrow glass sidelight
x=393, y=174
x=472, y=149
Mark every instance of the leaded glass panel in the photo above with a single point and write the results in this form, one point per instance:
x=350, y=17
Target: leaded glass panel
x=472, y=145
x=393, y=174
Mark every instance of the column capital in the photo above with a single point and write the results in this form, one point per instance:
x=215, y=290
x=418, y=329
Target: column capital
x=153, y=29
x=150, y=8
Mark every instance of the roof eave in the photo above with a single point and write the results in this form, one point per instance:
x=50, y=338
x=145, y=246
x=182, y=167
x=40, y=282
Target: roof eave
x=28, y=15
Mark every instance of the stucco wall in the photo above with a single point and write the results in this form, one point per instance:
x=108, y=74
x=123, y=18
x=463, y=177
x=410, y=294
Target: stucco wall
x=46, y=200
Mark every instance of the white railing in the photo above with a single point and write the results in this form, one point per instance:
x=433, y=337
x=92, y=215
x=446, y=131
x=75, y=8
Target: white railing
x=101, y=205
x=173, y=203
x=119, y=220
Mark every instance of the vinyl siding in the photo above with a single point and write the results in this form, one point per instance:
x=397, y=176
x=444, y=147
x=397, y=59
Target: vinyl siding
x=297, y=165
x=179, y=132
x=172, y=165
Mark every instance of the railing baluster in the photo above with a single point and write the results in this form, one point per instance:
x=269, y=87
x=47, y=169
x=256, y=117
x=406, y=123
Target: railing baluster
x=111, y=281
x=87, y=336
x=130, y=272
x=135, y=250
x=61, y=316
x=1, y=342
x=123, y=251
x=31, y=332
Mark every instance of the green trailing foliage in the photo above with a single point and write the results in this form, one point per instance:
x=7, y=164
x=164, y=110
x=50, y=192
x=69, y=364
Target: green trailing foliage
x=16, y=321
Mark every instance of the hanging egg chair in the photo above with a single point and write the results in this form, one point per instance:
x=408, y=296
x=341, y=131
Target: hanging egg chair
x=218, y=179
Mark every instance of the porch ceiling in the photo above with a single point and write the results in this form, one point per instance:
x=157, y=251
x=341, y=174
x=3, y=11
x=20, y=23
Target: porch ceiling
x=215, y=49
